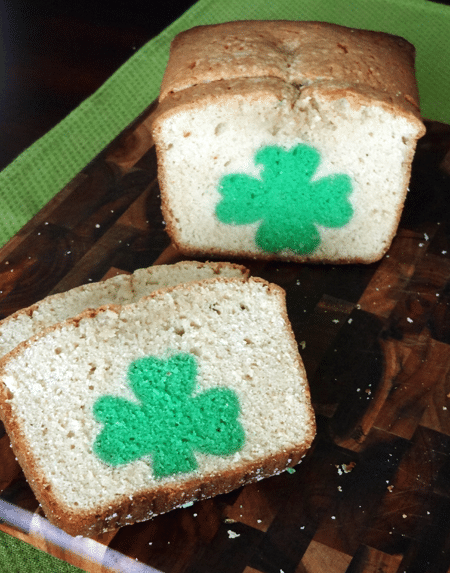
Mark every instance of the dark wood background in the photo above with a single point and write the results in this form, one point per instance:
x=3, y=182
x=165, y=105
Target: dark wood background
x=373, y=494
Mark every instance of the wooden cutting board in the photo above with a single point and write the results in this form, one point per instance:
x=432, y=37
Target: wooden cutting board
x=373, y=494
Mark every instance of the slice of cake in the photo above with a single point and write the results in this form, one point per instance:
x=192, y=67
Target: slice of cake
x=126, y=412
x=289, y=140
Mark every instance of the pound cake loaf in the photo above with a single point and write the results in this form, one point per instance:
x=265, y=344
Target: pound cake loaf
x=126, y=412
x=122, y=289
x=289, y=140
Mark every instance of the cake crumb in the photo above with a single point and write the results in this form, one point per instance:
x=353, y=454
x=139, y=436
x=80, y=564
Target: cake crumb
x=347, y=468
x=233, y=534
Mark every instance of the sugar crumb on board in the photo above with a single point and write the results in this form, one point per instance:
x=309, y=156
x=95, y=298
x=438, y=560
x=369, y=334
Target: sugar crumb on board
x=232, y=534
x=345, y=468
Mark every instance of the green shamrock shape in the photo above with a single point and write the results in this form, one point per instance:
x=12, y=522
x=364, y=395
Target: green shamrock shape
x=169, y=424
x=285, y=200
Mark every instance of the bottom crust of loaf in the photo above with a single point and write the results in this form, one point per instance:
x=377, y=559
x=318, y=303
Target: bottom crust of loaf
x=142, y=507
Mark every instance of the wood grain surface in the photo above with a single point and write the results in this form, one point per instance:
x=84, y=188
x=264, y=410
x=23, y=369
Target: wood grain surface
x=373, y=494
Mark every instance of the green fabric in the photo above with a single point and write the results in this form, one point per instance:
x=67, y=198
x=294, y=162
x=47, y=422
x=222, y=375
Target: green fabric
x=19, y=557
x=36, y=175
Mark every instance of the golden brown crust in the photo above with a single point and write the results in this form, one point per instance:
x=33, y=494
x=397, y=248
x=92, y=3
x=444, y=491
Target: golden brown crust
x=299, y=53
x=143, y=505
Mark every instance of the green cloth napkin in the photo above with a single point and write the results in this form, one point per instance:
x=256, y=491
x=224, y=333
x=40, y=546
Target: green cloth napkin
x=36, y=175
x=19, y=557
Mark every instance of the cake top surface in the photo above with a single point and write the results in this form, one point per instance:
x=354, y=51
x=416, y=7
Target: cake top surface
x=332, y=57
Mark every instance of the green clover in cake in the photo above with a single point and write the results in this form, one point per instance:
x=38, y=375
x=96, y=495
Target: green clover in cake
x=286, y=200
x=169, y=423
